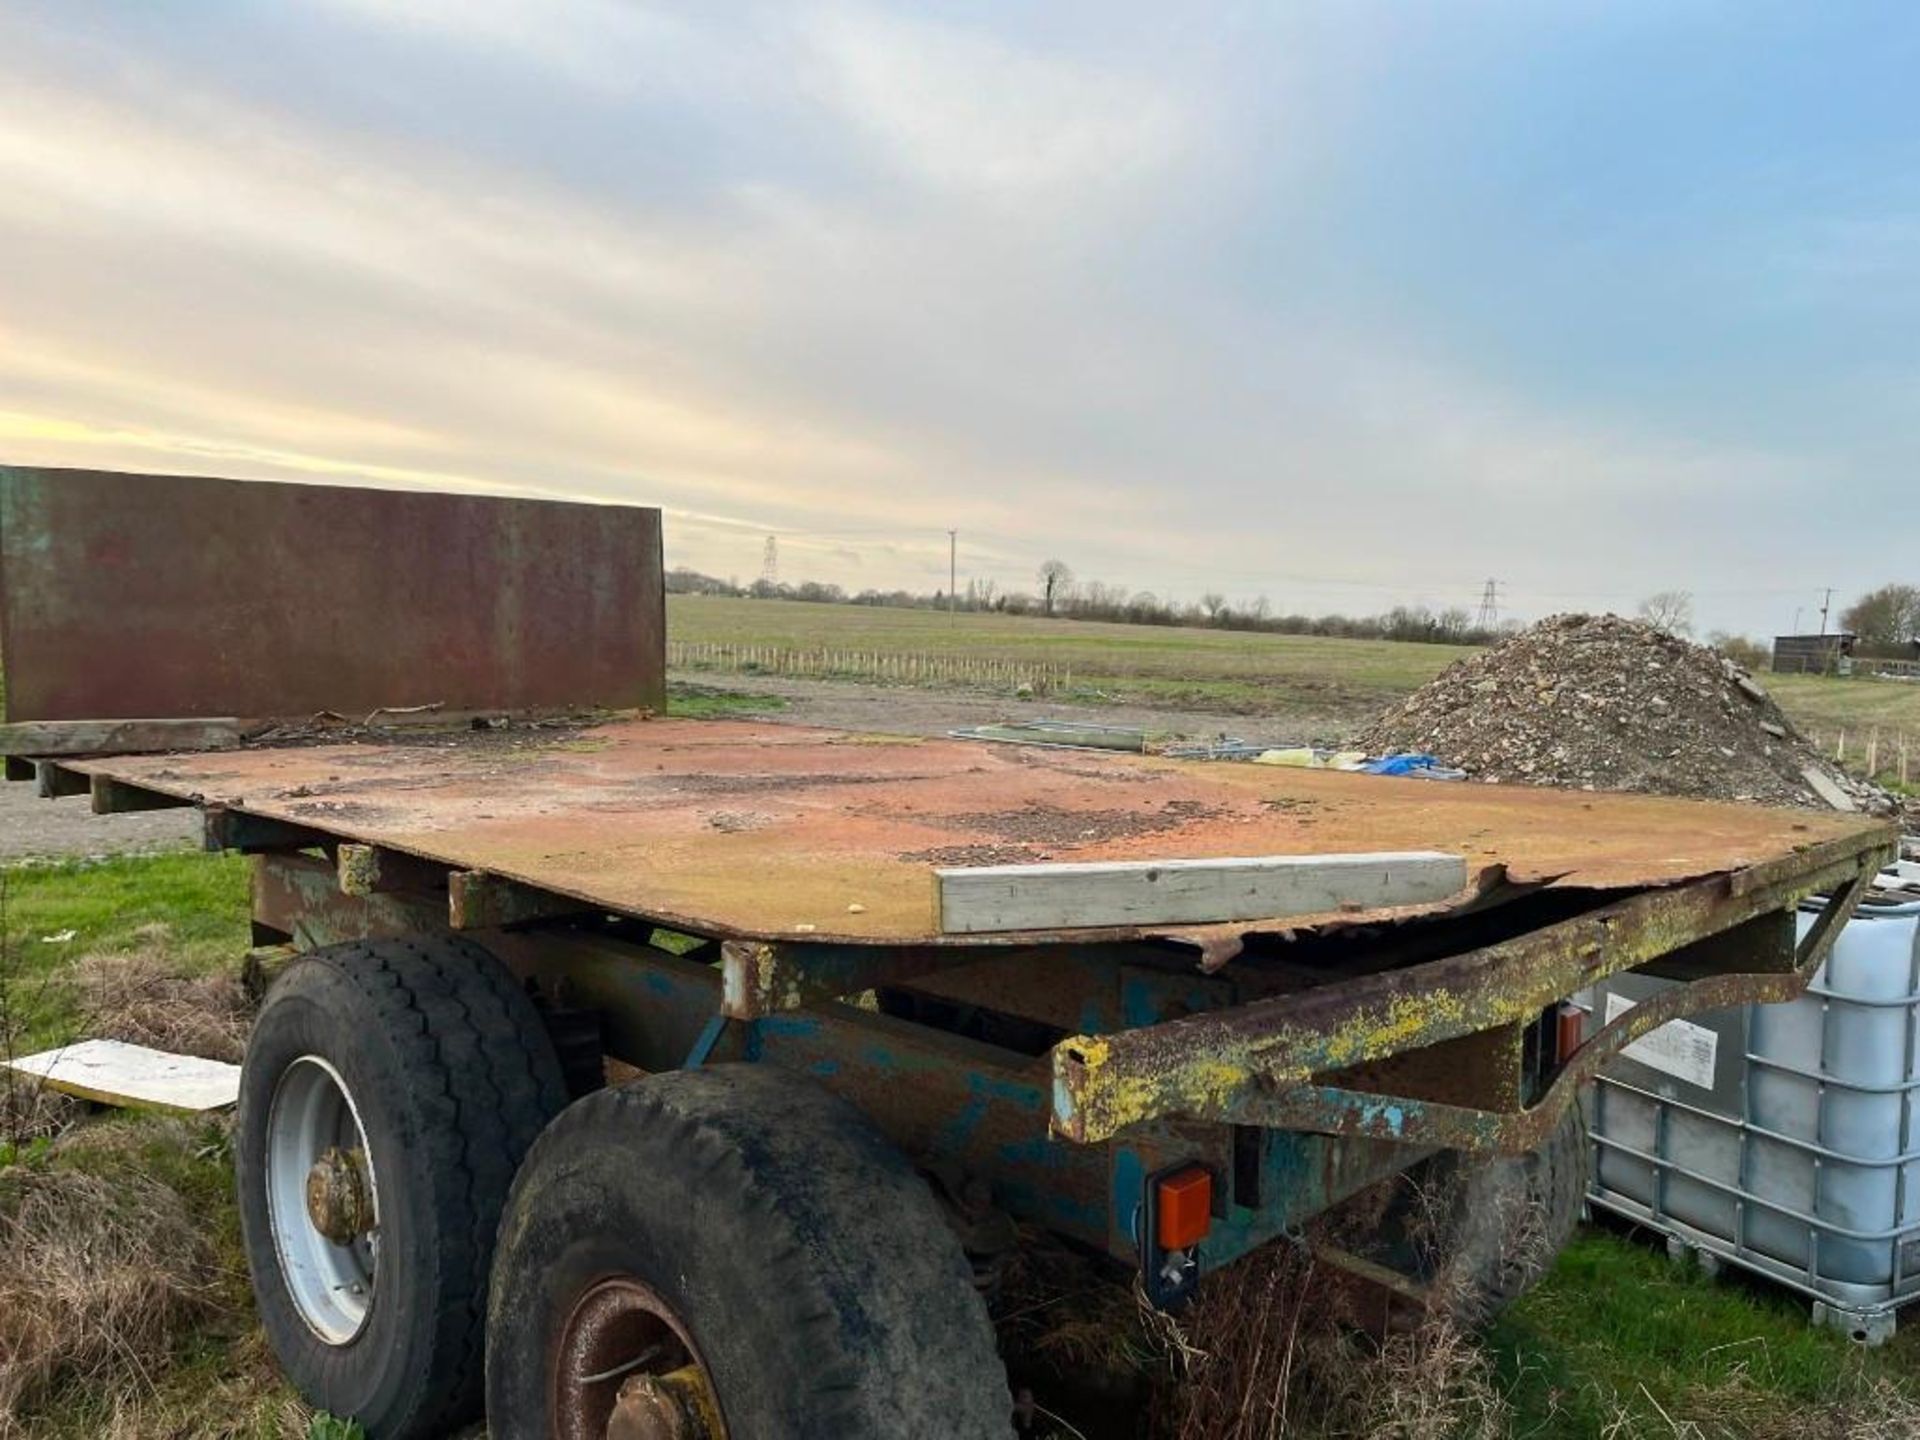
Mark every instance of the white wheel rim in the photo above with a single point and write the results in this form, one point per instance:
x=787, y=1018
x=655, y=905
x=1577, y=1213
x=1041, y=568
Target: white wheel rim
x=331, y=1284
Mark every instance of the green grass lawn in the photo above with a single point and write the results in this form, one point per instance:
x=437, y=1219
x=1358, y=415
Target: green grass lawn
x=50, y=914
x=1619, y=1329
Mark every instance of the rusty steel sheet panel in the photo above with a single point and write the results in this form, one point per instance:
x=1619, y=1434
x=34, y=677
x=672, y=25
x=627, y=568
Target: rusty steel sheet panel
x=143, y=596
x=783, y=832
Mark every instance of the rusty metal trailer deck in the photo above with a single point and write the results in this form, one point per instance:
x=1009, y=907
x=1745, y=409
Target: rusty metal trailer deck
x=804, y=861
x=679, y=895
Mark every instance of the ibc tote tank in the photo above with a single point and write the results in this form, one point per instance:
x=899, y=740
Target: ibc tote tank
x=1782, y=1138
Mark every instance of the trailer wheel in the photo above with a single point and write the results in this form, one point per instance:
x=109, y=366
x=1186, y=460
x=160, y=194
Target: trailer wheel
x=1499, y=1223
x=389, y=1091
x=732, y=1252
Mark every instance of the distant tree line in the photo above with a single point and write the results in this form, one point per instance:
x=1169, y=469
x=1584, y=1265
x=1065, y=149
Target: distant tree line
x=1887, y=621
x=1059, y=594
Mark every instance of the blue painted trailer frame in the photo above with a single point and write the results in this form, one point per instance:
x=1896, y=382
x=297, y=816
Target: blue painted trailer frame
x=889, y=1041
x=944, y=1098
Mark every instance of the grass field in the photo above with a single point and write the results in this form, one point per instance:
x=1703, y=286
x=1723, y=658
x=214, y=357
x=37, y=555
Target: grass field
x=1281, y=675
x=1822, y=705
x=1617, y=1342
x=1234, y=671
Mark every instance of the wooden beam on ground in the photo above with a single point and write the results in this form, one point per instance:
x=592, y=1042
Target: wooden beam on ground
x=121, y=737
x=479, y=901
x=114, y=797
x=1189, y=892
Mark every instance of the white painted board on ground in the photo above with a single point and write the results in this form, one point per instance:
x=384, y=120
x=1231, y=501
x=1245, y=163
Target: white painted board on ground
x=1073, y=895
x=116, y=1073
x=1678, y=1048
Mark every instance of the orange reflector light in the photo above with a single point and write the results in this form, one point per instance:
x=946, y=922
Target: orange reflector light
x=1572, y=1022
x=1185, y=1208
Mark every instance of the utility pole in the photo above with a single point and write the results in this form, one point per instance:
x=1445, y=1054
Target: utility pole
x=953, y=571
x=770, y=564
x=1825, y=605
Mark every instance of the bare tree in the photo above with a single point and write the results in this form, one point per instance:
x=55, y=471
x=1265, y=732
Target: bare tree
x=1214, y=603
x=1055, y=580
x=1738, y=648
x=1886, y=620
x=1669, y=610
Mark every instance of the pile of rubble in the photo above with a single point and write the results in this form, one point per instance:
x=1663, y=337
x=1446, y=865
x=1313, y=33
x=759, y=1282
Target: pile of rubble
x=1598, y=702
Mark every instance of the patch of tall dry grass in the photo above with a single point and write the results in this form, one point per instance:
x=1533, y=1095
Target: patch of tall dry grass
x=1276, y=1347
x=103, y=1272
x=139, y=996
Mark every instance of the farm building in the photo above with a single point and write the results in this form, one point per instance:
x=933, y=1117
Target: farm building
x=1813, y=654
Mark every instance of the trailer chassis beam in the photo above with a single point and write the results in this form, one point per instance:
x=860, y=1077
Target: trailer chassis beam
x=1241, y=1065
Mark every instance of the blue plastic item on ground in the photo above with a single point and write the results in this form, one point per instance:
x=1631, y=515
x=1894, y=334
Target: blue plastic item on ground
x=1424, y=767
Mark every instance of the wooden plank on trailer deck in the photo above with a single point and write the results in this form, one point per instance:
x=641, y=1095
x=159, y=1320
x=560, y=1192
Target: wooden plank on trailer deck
x=1072, y=896
x=113, y=1072
x=120, y=737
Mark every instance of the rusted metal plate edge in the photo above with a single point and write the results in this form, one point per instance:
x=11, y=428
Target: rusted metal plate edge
x=1208, y=939
x=798, y=834
x=83, y=773
x=1210, y=1066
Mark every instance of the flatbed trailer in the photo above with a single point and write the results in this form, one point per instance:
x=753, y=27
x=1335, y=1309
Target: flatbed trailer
x=1167, y=1011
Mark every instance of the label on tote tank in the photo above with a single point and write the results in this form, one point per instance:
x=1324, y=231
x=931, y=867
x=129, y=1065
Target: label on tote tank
x=1679, y=1048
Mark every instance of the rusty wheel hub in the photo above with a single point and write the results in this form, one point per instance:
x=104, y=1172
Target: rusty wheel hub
x=339, y=1200
x=625, y=1368
x=674, y=1406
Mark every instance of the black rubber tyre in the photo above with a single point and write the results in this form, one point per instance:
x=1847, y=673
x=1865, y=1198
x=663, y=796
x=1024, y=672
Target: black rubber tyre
x=1500, y=1222
x=824, y=1294
x=451, y=1078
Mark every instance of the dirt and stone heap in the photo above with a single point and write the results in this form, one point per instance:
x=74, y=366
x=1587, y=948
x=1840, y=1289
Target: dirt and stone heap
x=1598, y=702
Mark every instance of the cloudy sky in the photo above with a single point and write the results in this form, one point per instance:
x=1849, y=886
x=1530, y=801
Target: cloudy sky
x=1347, y=304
